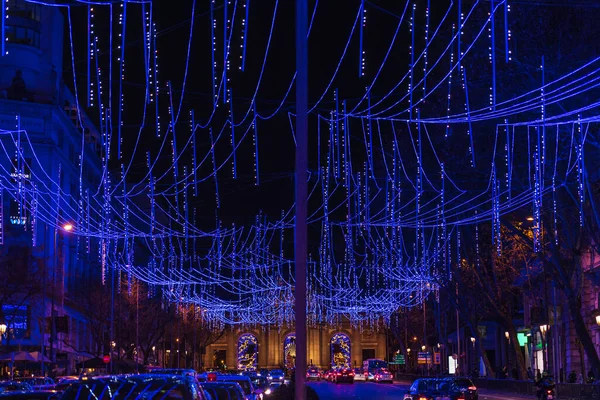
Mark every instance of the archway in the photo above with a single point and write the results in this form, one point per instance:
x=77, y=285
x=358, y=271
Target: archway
x=340, y=350
x=247, y=352
x=289, y=351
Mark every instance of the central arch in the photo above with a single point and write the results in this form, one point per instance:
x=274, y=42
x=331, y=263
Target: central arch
x=340, y=346
x=289, y=351
x=247, y=352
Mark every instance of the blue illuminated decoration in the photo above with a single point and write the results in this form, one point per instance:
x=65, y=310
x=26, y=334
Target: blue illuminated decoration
x=340, y=351
x=247, y=352
x=391, y=210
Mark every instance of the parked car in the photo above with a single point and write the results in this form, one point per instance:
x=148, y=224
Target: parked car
x=245, y=383
x=146, y=386
x=223, y=390
x=12, y=386
x=173, y=371
x=383, y=375
x=38, y=382
x=35, y=395
x=313, y=374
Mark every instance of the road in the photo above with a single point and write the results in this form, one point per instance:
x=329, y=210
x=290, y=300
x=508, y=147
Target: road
x=370, y=391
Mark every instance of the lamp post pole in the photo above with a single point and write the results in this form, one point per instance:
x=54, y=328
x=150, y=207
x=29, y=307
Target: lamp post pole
x=300, y=250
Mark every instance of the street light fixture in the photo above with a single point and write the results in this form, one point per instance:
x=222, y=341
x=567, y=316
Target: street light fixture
x=68, y=227
x=423, y=347
x=473, y=341
x=3, y=328
x=596, y=314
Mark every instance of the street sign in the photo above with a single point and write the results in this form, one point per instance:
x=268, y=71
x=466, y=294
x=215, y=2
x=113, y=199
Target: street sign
x=437, y=358
x=106, y=359
x=424, y=357
x=399, y=359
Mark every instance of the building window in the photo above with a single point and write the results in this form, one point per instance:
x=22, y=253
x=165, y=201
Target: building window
x=22, y=35
x=23, y=9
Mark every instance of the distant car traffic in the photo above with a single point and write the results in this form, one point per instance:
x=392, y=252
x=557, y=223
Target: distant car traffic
x=359, y=374
x=383, y=375
x=313, y=373
x=344, y=375
x=276, y=375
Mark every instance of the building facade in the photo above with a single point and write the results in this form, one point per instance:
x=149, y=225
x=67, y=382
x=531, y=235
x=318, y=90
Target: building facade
x=41, y=137
x=270, y=347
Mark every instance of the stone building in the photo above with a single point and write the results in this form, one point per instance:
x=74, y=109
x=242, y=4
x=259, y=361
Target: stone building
x=275, y=348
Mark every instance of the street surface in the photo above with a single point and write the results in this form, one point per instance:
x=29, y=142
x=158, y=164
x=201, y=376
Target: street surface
x=382, y=391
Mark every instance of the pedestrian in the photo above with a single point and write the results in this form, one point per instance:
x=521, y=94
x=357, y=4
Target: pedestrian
x=538, y=375
x=530, y=373
x=580, y=379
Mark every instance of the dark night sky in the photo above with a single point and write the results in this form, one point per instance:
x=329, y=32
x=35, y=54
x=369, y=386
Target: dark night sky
x=334, y=19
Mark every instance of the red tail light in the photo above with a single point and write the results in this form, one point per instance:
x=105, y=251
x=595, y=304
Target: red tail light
x=472, y=387
x=339, y=373
x=549, y=391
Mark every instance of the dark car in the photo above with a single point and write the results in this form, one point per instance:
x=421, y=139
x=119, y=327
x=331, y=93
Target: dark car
x=144, y=386
x=223, y=390
x=65, y=384
x=38, y=382
x=37, y=395
x=313, y=373
x=423, y=389
x=344, y=375
x=245, y=383
x=12, y=386
x=276, y=375
x=461, y=388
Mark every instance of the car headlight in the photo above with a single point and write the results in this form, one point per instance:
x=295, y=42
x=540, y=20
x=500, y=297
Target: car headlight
x=268, y=391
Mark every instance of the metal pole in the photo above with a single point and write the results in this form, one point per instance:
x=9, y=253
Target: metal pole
x=458, y=364
x=300, y=250
x=43, y=325
x=52, y=312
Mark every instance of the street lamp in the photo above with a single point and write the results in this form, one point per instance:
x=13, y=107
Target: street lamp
x=473, y=341
x=596, y=315
x=3, y=328
x=68, y=227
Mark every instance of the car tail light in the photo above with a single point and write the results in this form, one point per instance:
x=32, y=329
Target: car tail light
x=211, y=377
x=423, y=398
x=549, y=391
x=472, y=387
x=351, y=373
x=339, y=373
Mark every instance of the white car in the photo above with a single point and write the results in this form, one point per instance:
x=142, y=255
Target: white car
x=383, y=375
x=359, y=374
